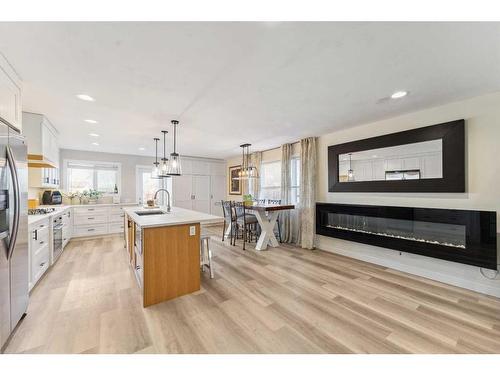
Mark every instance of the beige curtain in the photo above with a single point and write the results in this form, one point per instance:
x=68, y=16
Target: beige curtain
x=307, y=192
x=286, y=180
x=254, y=184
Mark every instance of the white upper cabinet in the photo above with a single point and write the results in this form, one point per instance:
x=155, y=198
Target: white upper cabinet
x=43, y=149
x=10, y=95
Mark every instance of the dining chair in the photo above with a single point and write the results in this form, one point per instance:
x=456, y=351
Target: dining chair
x=245, y=222
x=276, y=201
x=228, y=219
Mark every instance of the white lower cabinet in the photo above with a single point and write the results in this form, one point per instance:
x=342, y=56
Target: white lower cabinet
x=39, y=250
x=96, y=221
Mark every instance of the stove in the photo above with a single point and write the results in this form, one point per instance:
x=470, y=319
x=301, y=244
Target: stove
x=40, y=211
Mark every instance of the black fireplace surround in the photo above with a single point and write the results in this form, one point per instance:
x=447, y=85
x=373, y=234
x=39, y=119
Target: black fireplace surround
x=461, y=236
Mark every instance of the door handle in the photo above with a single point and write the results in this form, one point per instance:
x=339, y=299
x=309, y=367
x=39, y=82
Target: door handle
x=15, y=225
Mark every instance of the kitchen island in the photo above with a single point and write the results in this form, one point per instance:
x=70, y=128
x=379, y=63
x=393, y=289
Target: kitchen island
x=164, y=250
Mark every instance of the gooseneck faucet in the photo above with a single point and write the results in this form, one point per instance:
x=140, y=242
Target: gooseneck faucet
x=168, y=198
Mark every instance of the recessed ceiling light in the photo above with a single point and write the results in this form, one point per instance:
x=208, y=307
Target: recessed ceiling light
x=141, y=148
x=91, y=121
x=85, y=97
x=94, y=134
x=95, y=144
x=399, y=94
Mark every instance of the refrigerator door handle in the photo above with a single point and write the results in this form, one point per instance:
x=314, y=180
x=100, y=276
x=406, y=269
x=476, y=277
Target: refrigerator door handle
x=17, y=202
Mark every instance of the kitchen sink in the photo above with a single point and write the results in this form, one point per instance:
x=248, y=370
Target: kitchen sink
x=151, y=212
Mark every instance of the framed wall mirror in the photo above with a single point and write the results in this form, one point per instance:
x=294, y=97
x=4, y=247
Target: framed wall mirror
x=428, y=159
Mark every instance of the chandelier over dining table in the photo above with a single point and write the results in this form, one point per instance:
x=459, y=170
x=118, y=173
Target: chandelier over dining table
x=247, y=170
x=167, y=167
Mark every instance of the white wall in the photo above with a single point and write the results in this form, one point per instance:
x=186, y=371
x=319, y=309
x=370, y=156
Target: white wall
x=482, y=115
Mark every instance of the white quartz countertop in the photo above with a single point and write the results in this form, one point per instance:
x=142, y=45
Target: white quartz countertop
x=32, y=219
x=177, y=216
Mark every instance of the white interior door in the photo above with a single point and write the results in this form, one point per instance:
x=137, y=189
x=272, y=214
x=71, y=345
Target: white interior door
x=183, y=191
x=201, y=193
x=218, y=193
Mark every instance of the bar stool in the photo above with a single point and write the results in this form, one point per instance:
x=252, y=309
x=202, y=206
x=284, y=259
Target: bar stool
x=206, y=254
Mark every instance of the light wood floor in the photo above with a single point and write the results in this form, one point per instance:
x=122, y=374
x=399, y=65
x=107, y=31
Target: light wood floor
x=285, y=300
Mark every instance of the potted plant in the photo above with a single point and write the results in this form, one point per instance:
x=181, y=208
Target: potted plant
x=71, y=196
x=94, y=196
x=247, y=200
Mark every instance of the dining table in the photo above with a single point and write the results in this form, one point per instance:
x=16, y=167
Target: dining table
x=267, y=216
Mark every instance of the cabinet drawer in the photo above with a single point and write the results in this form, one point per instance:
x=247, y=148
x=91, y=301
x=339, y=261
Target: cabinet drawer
x=116, y=227
x=40, y=224
x=115, y=210
x=89, y=210
x=40, y=263
x=116, y=217
x=39, y=238
x=90, y=219
x=90, y=230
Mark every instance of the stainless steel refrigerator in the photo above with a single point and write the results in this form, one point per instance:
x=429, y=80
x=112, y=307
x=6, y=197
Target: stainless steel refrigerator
x=14, y=272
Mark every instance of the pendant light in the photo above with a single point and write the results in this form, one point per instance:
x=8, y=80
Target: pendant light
x=163, y=173
x=350, y=172
x=247, y=171
x=155, y=173
x=175, y=161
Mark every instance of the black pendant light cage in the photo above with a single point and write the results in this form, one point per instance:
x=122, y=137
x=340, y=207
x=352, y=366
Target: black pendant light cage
x=247, y=171
x=163, y=172
x=156, y=165
x=175, y=161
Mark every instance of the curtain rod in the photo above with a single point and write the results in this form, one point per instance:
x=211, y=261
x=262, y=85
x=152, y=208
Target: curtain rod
x=275, y=148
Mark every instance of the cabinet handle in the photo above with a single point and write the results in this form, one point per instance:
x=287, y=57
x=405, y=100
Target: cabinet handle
x=90, y=209
x=35, y=234
x=42, y=264
x=90, y=218
x=42, y=242
x=90, y=230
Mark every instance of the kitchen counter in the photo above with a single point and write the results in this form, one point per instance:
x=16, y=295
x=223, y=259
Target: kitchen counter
x=177, y=216
x=32, y=219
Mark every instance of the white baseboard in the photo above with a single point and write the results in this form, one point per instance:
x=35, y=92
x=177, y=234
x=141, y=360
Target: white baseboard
x=461, y=275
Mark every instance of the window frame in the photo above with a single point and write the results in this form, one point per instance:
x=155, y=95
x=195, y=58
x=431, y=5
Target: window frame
x=139, y=188
x=94, y=163
x=270, y=187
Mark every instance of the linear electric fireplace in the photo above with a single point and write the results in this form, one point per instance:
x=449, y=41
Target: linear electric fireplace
x=461, y=236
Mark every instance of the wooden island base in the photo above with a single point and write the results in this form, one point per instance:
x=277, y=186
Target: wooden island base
x=169, y=265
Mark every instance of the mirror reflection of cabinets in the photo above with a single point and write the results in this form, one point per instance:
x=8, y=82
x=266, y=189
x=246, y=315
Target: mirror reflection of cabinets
x=429, y=159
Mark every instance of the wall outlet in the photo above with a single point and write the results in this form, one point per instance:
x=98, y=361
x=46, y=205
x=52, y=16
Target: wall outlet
x=192, y=230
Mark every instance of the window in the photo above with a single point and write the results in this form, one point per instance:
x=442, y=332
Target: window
x=146, y=186
x=100, y=176
x=270, y=180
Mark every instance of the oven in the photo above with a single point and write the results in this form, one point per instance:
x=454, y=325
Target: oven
x=57, y=237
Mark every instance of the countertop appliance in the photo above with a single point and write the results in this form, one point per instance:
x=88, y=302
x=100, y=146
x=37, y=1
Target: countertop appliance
x=13, y=230
x=56, y=197
x=51, y=197
x=57, y=229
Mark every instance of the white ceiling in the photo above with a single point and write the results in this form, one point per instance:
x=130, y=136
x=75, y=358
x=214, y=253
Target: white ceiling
x=231, y=83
